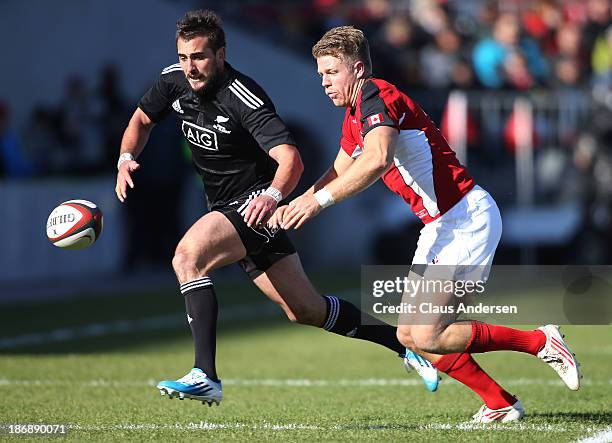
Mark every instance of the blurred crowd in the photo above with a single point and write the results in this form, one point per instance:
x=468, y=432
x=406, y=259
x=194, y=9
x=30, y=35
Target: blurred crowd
x=494, y=44
x=77, y=136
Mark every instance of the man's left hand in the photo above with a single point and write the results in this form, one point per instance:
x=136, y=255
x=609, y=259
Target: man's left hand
x=300, y=211
x=259, y=211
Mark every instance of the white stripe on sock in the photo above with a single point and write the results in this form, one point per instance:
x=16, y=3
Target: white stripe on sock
x=197, y=283
x=197, y=280
x=334, y=310
x=203, y=285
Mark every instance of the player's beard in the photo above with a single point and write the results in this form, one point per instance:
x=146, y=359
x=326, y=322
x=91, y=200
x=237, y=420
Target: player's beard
x=211, y=83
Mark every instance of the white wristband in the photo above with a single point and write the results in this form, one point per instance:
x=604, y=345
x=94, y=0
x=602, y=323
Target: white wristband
x=274, y=193
x=126, y=156
x=324, y=198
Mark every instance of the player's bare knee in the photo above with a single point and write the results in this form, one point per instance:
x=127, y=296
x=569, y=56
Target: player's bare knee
x=404, y=336
x=425, y=340
x=187, y=265
x=183, y=261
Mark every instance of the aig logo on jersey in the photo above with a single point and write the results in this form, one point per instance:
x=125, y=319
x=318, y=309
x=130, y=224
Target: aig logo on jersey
x=202, y=137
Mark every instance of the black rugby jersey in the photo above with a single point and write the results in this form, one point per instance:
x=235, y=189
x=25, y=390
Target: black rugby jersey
x=229, y=133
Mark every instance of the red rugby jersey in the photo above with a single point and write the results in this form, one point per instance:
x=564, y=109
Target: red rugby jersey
x=425, y=171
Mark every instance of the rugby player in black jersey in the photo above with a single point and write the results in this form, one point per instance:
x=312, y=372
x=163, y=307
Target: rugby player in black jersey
x=248, y=162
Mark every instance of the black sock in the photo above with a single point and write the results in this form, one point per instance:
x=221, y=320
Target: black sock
x=344, y=318
x=202, y=309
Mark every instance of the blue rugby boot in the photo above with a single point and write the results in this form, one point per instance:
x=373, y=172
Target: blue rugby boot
x=424, y=368
x=194, y=386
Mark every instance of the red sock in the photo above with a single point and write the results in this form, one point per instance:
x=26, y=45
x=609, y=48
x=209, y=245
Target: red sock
x=487, y=337
x=463, y=368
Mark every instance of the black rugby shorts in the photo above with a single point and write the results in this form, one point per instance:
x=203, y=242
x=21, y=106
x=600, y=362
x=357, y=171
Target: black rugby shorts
x=264, y=246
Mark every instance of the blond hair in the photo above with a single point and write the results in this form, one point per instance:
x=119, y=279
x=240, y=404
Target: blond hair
x=346, y=43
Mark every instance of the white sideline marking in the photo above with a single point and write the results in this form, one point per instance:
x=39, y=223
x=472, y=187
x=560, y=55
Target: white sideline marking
x=286, y=382
x=208, y=426
x=493, y=427
x=203, y=425
x=604, y=436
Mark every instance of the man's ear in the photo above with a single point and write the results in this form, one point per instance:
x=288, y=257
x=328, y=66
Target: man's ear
x=359, y=69
x=221, y=54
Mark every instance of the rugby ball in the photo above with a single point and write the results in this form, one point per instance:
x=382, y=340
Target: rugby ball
x=74, y=224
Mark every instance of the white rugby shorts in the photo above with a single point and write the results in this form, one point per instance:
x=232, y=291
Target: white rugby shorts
x=464, y=238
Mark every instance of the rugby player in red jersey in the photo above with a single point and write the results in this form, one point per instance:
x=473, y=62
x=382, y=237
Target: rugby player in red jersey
x=386, y=135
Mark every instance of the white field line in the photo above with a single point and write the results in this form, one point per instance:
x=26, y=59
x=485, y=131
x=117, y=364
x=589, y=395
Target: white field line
x=294, y=383
x=604, y=436
x=513, y=427
x=211, y=426
x=203, y=425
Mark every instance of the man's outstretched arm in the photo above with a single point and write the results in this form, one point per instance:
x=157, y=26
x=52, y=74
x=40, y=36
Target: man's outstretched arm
x=340, y=165
x=134, y=140
x=377, y=156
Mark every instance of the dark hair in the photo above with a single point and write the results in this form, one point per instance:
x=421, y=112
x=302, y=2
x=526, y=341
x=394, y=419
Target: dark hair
x=204, y=23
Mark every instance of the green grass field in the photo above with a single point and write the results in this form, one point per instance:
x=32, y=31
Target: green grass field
x=282, y=382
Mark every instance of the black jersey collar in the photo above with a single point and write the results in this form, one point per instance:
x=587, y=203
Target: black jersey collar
x=227, y=76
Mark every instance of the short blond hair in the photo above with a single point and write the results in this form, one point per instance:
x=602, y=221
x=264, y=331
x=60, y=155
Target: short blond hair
x=346, y=43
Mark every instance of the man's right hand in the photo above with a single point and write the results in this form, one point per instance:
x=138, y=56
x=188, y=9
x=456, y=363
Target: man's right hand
x=276, y=221
x=124, y=178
